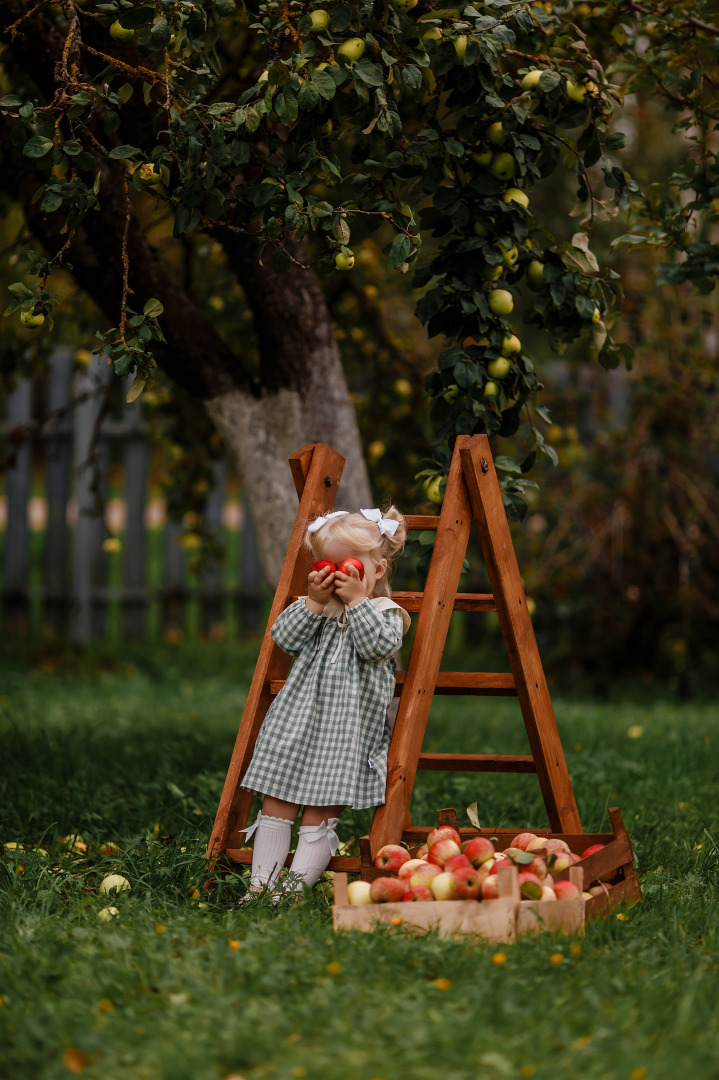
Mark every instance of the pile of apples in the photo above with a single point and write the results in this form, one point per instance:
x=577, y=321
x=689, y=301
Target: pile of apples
x=446, y=869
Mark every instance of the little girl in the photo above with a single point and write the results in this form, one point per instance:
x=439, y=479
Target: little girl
x=323, y=743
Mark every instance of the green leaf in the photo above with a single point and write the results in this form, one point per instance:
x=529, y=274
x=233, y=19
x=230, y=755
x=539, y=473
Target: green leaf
x=400, y=249
x=507, y=464
x=51, y=202
x=324, y=83
x=153, y=309
x=37, y=147
x=286, y=107
x=9, y=100
x=20, y=290
x=136, y=389
x=124, y=152
x=412, y=76
x=72, y=148
x=308, y=97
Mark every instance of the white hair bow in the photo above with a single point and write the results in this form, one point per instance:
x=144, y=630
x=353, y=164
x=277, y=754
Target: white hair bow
x=385, y=525
x=320, y=521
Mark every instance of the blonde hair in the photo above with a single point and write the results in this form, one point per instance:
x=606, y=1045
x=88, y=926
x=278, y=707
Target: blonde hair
x=363, y=536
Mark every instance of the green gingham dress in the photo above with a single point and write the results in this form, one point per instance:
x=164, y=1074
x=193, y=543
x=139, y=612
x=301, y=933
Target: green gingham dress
x=325, y=737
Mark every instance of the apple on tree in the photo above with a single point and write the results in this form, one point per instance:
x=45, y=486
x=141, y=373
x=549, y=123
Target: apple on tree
x=491, y=389
x=516, y=195
x=352, y=49
x=531, y=80
x=511, y=345
x=119, y=32
x=501, y=302
x=320, y=19
x=503, y=166
x=496, y=133
x=460, y=47
x=535, y=274
x=499, y=368
x=344, y=261
x=32, y=320
x=404, y=5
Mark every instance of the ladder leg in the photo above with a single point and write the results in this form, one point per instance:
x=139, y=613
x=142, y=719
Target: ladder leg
x=518, y=633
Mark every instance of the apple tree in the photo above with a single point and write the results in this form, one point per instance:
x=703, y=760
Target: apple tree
x=288, y=135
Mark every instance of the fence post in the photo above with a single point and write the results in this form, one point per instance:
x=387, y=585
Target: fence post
x=250, y=577
x=174, y=592
x=18, y=480
x=58, y=450
x=212, y=601
x=137, y=456
x=90, y=560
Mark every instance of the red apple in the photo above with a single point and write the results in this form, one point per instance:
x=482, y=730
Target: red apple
x=344, y=567
x=444, y=831
x=424, y=874
x=523, y=839
x=391, y=857
x=500, y=862
x=478, y=850
x=418, y=892
x=443, y=886
x=548, y=893
x=562, y=861
x=321, y=564
x=554, y=846
x=575, y=858
x=442, y=850
x=538, y=867
x=386, y=890
x=538, y=844
x=490, y=887
x=599, y=890
x=467, y=883
x=421, y=852
x=530, y=886
x=407, y=869
x=591, y=849
x=565, y=890
x=456, y=862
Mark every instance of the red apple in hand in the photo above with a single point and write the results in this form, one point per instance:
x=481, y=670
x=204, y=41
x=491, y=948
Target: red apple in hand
x=321, y=564
x=391, y=857
x=344, y=567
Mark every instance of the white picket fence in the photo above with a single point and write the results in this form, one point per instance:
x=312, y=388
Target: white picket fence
x=71, y=594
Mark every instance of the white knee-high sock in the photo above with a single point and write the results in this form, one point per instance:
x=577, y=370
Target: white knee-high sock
x=272, y=844
x=314, y=850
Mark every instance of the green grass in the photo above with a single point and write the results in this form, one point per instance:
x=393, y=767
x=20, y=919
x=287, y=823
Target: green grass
x=134, y=748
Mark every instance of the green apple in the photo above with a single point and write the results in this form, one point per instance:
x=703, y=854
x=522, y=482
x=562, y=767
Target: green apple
x=404, y=5
x=575, y=91
x=483, y=158
x=503, y=166
x=433, y=34
x=491, y=273
x=491, y=390
x=596, y=315
x=344, y=262
x=451, y=393
x=320, y=19
x=113, y=881
x=499, y=368
x=511, y=345
x=535, y=274
x=508, y=251
x=460, y=47
x=501, y=302
x=496, y=133
x=31, y=320
x=120, y=32
x=480, y=229
x=531, y=79
x=352, y=49
x=432, y=489
x=516, y=195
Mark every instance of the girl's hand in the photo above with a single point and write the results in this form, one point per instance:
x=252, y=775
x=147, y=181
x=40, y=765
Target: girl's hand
x=349, y=587
x=319, y=586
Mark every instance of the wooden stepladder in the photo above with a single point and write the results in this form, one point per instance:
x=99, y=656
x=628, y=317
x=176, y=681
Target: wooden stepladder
x=472, y=494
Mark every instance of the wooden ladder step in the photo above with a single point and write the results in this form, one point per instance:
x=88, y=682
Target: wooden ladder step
x=411, y=601
x=507, y=763
x=469, y=683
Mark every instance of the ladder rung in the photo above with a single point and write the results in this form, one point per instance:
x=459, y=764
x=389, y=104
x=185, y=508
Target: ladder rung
x=416, y=522
x=337, y=862
x=463, y=601
x=470, y=683
x=509, y=763
x=410, y=601
x=491, y=683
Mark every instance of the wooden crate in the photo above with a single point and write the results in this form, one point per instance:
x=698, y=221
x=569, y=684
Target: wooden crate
x=501, y=920
x=493, y=920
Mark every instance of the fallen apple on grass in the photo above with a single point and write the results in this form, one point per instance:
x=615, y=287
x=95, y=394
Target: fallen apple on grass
x=113, y=881
x=391, y=856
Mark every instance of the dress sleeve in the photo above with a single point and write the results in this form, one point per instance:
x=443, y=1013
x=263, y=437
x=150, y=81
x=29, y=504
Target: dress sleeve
x=375, y=634
x=294, y=627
